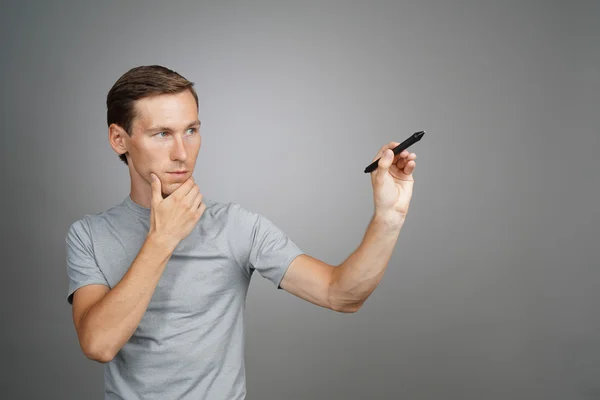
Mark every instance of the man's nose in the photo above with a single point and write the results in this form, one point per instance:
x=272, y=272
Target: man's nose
x=178, y=151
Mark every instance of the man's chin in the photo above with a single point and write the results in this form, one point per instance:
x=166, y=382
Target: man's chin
x=168, y=189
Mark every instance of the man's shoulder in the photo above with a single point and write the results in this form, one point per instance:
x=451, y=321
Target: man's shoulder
x=86, y=223
x=85, y=220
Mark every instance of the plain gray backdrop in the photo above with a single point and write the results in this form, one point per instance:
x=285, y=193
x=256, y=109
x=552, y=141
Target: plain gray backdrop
x=493, y=288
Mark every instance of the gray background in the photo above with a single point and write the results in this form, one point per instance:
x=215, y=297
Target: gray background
x=493, y=288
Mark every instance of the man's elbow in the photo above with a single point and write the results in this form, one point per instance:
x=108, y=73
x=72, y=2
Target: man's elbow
x=98, y=355
x=343, y=302
x=349, y=309
x=95, y=351
x=346, y=307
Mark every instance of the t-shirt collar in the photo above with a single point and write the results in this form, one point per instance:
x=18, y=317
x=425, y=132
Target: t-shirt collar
x=138, y=209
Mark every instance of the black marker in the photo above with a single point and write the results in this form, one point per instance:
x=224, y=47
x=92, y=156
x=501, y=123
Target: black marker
x=398, y=149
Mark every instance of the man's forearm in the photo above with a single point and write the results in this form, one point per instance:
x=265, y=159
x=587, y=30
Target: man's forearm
x=110, y=323
x=355, y=279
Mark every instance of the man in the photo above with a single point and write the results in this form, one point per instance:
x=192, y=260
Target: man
x=158, y=282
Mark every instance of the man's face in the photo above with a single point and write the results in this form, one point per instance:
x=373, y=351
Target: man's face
x=165, y=139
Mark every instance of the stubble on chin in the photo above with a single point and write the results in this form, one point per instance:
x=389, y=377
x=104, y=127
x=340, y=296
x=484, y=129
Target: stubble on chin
x=171, y=188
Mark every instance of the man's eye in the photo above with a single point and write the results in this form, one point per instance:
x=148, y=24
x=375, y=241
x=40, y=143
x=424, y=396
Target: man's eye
x=193, y=130
x=160, y=133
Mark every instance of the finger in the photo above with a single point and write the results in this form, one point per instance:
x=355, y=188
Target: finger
x=383, y=148
x=197, y=201
x=156, y=189
x=401, y=163
x=384, y=164
x=184, y=189
x=410, y=167
x=403, y=154
x=190, y=197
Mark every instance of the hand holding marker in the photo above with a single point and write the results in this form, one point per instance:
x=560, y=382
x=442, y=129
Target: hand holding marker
x=415, y=137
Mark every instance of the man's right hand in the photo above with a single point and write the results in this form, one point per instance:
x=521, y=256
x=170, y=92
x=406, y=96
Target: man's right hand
x=173, y=218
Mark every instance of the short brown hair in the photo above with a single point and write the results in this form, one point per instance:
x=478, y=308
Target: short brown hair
x=137, y=83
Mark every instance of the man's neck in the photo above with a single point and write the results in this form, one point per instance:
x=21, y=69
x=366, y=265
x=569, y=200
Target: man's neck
x=140, y=191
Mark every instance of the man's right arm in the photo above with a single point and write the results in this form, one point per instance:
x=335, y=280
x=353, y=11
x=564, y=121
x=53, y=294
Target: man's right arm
x=106, y=319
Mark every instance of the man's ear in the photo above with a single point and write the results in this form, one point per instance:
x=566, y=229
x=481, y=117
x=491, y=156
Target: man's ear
x=116, y=139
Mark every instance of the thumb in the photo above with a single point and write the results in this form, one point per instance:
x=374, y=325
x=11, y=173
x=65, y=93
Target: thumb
x=156, y=189
x=386, y=160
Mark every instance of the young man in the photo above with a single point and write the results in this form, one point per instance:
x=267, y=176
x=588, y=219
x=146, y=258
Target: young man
x=158, y=282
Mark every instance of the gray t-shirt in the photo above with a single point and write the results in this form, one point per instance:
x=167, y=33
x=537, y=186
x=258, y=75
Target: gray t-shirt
x=190, y=342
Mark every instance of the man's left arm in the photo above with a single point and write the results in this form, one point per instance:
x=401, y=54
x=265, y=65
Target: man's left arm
x=346, y=287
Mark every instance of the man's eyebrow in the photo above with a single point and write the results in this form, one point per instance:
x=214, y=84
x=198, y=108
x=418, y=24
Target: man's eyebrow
x=165, y=128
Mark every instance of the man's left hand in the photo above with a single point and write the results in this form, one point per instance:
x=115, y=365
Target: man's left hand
x=393, y=183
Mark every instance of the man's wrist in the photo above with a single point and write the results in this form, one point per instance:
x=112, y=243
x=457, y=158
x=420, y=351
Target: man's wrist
x=162, y=243
x=391, y=221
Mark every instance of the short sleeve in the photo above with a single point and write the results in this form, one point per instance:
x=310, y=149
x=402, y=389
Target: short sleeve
x=82, y=268
x=264, y=246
